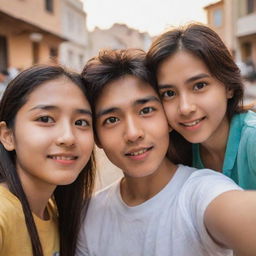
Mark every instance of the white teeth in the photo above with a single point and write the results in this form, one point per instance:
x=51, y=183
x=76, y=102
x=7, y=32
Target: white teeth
x=138, y=152
x=63, y=157
x=192, y=123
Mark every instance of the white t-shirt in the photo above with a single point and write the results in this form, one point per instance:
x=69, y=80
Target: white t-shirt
x=170, y=223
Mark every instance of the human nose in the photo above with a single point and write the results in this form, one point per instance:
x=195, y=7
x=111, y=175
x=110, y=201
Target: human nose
x=187, y=104
x=133, y=130
x=66, y=136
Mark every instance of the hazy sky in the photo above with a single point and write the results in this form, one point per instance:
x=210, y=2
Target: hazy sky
x=152, y=16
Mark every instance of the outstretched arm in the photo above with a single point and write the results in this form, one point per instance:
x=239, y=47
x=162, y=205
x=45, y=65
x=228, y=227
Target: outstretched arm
x=230, y=220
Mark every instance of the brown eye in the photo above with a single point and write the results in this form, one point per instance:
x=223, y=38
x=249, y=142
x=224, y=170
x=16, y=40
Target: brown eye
x=168, y=94
x=82, y=122
x=45, y=119
x=111, y=120
x=147, y=110
x=200, y=86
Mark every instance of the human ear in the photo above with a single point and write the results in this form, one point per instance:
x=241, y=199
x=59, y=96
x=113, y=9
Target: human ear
x=6, y=137
x=230, y=93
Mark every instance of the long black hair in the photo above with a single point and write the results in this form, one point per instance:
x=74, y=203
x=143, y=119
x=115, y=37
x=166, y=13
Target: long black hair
x=69, y=198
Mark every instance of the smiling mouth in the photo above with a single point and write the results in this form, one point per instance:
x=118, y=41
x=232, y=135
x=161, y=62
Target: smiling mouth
x=190, y=124
x=139, y=152
x=63, y=157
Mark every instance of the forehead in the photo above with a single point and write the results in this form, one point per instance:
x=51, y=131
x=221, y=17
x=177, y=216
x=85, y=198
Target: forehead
x=58, y=91
x=182, y=61
x=123, y=92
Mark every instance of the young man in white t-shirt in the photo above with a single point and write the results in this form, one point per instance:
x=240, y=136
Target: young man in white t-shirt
x=157, y=208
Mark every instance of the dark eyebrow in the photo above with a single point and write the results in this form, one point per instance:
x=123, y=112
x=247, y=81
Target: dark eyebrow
x=44, y=107
x=84, y=111
x=106, y=111
x=146, y=100
x=191, y=79
x=197, y=77
x=136, y=102
x=52, y=107
x=164, y=86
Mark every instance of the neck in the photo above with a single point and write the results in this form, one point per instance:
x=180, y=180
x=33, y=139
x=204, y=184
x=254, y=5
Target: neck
x=135, y=191
x=213, y=150
x=38, y=196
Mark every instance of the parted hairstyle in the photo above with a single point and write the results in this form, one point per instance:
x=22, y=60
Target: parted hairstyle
x=205, y=44
x=69, y=198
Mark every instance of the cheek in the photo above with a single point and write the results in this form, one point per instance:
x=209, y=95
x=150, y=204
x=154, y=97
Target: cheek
x=160, y=126
x=31, y=140
x=87, y=142
x=169, y=111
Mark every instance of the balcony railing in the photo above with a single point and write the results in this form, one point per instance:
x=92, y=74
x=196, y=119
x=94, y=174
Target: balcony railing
x=246, y=25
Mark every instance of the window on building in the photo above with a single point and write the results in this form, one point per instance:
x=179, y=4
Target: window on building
x=70, y=57
x=3, y=53
x=81, y=60
x=246, y=50
x=53, y=53
x=71, y=25
x=35, y=52
x=217, y=18
x=251, y=6
x=49, y=5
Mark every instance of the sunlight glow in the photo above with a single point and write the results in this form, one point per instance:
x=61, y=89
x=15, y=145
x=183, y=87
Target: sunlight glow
x=151, y=16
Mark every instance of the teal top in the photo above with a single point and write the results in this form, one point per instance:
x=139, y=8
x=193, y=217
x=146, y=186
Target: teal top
x=240, y=156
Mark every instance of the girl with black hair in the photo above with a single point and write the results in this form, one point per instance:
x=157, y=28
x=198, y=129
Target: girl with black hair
x=46, y=162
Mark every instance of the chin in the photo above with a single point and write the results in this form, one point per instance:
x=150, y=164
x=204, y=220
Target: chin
x=67, y=181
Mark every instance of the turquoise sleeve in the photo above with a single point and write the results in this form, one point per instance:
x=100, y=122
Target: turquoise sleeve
x=251, y=149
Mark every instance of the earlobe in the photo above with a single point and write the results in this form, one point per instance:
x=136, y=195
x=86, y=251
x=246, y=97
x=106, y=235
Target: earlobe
x=6, y=137
x=230, y=93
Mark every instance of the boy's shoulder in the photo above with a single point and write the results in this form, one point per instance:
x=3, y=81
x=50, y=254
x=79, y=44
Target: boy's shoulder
x=104, y=195
x=207, y=182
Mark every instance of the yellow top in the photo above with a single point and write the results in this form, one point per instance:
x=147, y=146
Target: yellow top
x=14, y=237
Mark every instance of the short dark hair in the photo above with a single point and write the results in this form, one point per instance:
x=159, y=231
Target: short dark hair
x=111, y=65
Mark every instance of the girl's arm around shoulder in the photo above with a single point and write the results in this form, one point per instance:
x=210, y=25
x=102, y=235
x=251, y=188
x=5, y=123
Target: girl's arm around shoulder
x=230, y=220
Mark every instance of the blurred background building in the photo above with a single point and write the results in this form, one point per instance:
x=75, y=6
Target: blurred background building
x=74, y=51
x=30, y=32
x=117, y=37
x=55, y=31
x=235, y=22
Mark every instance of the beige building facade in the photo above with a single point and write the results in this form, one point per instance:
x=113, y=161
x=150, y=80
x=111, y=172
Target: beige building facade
x=117, y=37
x=235, y=22
x=73, y=53
x=29, y=32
